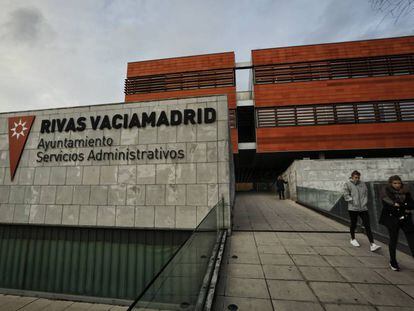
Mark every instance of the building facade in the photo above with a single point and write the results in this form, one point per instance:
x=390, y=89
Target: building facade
x=335, y=100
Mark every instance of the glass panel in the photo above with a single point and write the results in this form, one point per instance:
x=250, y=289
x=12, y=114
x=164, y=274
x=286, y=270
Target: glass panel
x=180, y=284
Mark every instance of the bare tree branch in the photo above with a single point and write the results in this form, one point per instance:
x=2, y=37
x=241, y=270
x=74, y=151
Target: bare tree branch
x=393, y=8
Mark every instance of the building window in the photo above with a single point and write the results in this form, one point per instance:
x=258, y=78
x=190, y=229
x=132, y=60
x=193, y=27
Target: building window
x=343, y=113
x=391, y=65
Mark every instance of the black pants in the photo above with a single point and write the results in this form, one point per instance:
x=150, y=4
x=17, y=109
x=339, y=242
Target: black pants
x=281, y=194
x=393, y=232
x=365, y=221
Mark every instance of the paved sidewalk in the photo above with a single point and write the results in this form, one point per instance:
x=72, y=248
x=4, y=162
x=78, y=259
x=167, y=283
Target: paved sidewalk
x=14, y=303
x=306, y=270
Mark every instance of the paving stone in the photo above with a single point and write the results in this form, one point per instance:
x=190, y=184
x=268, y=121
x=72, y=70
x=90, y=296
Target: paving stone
x=275, y=259
x=343, y=307
x=245, y=271
x=380, y=308
x=361, y=275
x=271, y=249
x=406, y=277
x=385, y=295
x=289, y=305
x=343, y=261
x=408, y=289
x=282, y=272
x=249, y=288
x=266, y=238
x=243, y=257
x=290, y=290
x=222, y=304
x=375, y=262
x=309, y=260
x=37, y=305
x=330, y=250
x=337, y=293
x=321, y=274
x=300, y=250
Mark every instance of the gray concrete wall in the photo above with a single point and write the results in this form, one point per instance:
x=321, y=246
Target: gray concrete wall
x=331, y=174
x=147, y=193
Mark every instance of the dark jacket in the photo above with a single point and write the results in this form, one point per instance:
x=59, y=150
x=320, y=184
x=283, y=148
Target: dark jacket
x=280, y=184
x=392, y=216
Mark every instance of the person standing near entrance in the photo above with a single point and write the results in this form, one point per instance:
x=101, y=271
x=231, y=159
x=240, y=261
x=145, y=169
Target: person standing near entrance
x=397, y=204
x=280, y=186
x=355, y=193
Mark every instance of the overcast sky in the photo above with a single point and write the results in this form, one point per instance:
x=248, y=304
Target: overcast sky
x=56, y=53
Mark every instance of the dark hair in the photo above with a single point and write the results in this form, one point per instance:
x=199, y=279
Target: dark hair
x=394, y=178
x=355, y=173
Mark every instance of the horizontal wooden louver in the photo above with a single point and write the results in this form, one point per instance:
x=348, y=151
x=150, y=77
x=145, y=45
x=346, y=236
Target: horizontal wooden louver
x=341, y=113
x=335, y=69
x=180, y=81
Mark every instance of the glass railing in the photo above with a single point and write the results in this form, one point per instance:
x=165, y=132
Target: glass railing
x=333, y=204
x=182, y=284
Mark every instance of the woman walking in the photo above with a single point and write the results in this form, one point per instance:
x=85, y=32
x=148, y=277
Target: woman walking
x=356, y=194
x=396, y=214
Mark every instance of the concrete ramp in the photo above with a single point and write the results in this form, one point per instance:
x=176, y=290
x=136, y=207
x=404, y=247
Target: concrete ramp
x=264, y=212
x=282, y=256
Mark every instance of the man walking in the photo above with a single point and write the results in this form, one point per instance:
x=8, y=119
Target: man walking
x=280, y=186
x=356, y=194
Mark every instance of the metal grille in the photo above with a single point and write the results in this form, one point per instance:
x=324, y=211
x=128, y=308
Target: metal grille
x=341, y=113
x=111, y=263
x=180, y=81
x=392, y=65
x=232, y=119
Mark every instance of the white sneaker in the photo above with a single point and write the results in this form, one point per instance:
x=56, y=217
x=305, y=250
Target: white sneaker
x=374, y=247
x=355, y=243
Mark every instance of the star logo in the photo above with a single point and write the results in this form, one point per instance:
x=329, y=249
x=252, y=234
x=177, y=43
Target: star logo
x=19, y=129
